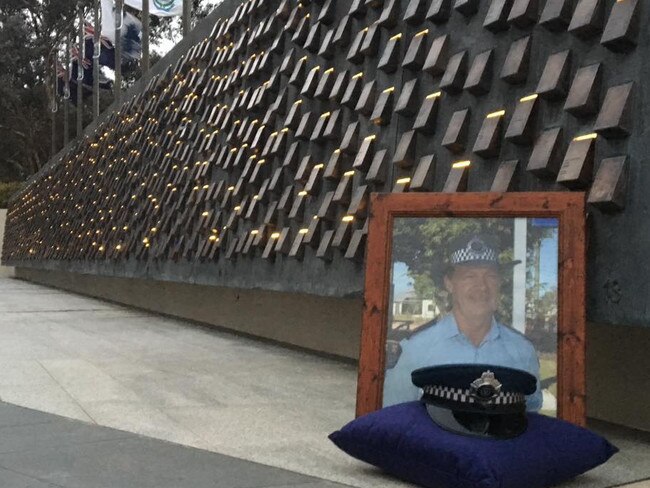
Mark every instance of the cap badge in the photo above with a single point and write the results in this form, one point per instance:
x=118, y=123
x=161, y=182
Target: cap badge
x=486, y=388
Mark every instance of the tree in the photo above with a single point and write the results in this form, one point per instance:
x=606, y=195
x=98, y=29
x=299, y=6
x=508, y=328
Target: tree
x=29, y=29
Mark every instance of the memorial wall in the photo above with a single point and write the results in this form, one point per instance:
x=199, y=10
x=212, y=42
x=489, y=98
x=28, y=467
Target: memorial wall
x=248, y=162
x=233, y=187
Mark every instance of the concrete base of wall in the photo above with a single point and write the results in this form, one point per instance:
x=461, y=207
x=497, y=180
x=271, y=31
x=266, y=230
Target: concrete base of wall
x=618, y=374
x=329, y=325
x=4, y=270
x=617, y=356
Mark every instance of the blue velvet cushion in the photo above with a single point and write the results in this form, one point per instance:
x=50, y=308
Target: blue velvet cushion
x=404, y=441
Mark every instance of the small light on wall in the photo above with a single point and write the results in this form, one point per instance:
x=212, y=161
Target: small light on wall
x=319, y=165
x=302, y=193
x=358, y=75
x=275, y=235
x=213, y=237
x=585, y=137
x=388, y=90
x=528, y=98
x=434, y=95
x=205, y=214
x=403, y=181
x=255, y=232
x=396, y=37
x=303, y=231
x=370, y=138
x=461, y=164
x=349, y=173
x=493, y=115
x=348, y=218
x=422, y=33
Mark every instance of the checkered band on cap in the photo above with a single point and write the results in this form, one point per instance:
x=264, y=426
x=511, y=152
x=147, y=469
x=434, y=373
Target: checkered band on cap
x=476, y=250
x=462, y=395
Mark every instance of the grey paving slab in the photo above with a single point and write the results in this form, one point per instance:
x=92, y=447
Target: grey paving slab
x=13, y=416
x=66, y=453
x=640, y=484
x=9, y=479
x=316, y=484
x=52, y=435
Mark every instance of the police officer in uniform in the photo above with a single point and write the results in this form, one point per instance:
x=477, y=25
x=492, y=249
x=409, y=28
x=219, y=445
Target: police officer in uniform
x=469, y=334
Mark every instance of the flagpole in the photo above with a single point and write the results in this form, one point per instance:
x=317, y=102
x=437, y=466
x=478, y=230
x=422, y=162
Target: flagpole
x=96, y=51
x=187, y=11
x=53, y=107
x=119, y=6
x=80, y=70
x=145, y=36
x=66, y=95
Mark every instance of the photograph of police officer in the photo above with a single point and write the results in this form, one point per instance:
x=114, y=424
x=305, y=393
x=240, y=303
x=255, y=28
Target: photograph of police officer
x=473, y=324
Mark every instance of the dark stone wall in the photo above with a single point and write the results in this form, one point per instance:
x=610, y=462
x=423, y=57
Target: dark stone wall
x=521, y=34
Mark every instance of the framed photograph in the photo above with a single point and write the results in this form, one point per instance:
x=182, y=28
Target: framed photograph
x=482, y=278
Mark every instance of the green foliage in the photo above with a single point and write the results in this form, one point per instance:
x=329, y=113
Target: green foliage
x=7, y=190
x=29, y=30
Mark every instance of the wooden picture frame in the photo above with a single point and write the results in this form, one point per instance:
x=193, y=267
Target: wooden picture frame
x=569, y=210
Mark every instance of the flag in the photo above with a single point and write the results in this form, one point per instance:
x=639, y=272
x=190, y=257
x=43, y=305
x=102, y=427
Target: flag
x=131, y=38
x=108, y=20
x=107, y=56
x=160, y=8
x=131, y=33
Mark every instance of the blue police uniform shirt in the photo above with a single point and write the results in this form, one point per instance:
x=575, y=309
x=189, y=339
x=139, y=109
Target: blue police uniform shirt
x=444, y=343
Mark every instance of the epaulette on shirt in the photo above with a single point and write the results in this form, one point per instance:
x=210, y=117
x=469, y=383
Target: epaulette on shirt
x=393, y=347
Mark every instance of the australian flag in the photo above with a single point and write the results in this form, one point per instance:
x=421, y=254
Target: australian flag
x=131, y=54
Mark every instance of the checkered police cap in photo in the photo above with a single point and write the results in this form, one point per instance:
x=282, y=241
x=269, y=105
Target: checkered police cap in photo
x=474, y=249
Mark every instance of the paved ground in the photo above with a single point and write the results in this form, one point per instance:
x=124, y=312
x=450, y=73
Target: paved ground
x=39, y=450
x=167, y=379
